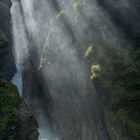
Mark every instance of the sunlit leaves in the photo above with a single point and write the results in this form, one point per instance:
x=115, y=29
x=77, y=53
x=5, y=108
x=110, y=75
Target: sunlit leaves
x=76, y=5
x=61, y=14
x=95, y=69
x=89, y=51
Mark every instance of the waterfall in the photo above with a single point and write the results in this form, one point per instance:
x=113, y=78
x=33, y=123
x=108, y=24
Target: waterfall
x=50, y=38
x=17, y=80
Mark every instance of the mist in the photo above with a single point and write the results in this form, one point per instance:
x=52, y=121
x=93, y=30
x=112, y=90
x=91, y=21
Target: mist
x=50, y=40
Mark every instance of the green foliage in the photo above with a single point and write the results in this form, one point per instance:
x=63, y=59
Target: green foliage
x=120, y=77
x=131, y=103
x=61, y=14
x=89, y=51
x=95, y=69
x=9, y=100
x=76, y=5
x=123, y=118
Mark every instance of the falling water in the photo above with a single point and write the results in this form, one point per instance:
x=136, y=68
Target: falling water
x=17, y=80
x=55, y=49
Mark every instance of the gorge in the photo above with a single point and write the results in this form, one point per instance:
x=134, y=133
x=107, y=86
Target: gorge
x=55, y=45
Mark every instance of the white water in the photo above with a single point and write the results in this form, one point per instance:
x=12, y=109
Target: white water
x=21, y=52
x=75, y=100
x=44, y=131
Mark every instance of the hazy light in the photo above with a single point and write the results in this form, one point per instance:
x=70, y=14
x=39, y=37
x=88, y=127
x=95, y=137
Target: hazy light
x=61, y=44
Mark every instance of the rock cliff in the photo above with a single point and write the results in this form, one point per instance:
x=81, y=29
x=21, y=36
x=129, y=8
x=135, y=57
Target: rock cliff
x=16, y=120
x=7, y=64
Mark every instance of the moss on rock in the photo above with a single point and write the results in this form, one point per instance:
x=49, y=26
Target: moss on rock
x=4, y=17
x=9, y=102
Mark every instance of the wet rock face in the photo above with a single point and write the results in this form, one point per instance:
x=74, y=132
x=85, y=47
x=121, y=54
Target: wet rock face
x=125, y=15
x=7, y=64
x=29, y=125
x=20, y=124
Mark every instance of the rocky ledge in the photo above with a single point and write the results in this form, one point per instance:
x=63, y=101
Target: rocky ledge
x=16, y=120
x=7, y=63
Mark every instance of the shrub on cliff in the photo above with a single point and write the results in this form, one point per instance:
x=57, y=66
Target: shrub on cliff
x=120, y=77
x=9, y=117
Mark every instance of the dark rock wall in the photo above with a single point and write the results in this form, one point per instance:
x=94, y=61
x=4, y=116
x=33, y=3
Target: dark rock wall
x=16, y=120
x=27, y=126
x=125, y=15
x=124, y=19
x=7, y=63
